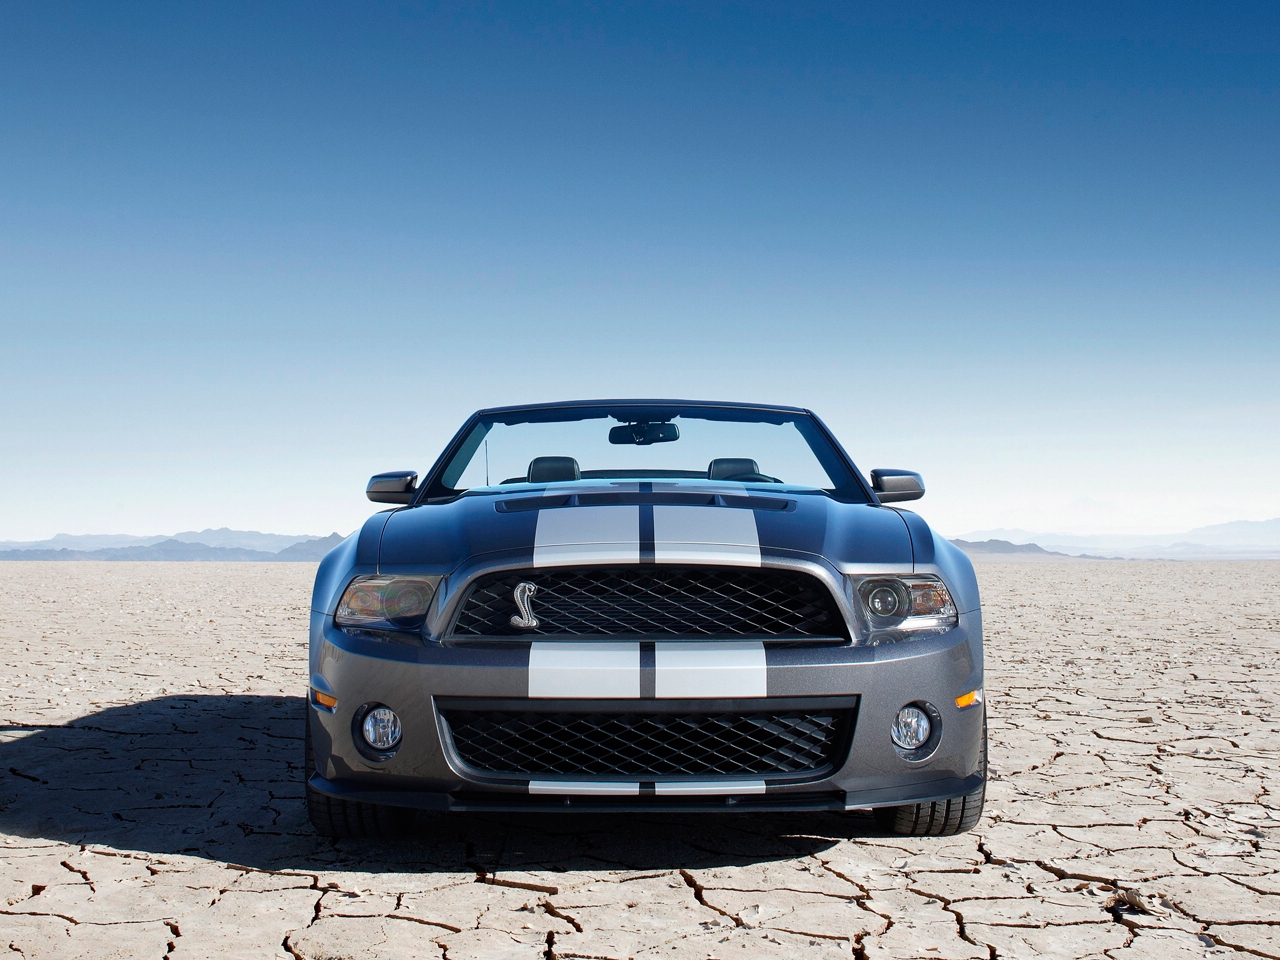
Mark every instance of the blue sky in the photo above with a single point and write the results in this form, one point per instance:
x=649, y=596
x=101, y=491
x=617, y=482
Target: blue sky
x=250, y=254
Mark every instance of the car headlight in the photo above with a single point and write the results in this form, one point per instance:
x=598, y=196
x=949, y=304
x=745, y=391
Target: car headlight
x=386, y=603
x=902, y=608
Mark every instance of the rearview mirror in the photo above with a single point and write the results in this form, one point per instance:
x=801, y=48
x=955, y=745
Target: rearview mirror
x=894, y=486
x=398, y=486
x=643, y=434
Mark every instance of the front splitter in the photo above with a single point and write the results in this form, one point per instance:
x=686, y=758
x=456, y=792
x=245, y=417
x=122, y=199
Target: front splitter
x=463, y=801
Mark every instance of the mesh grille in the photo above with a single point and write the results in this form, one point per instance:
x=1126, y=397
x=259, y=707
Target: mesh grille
x=656, y=601
x=644, y=745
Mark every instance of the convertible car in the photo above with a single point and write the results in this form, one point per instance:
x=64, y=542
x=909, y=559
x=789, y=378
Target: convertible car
x=645, y=605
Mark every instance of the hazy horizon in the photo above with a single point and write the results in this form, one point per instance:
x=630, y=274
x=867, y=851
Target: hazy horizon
x=254, y=254
x=1015, y=535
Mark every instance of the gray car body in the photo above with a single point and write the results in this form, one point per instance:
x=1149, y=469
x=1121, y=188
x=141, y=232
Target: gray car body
x=464, y=537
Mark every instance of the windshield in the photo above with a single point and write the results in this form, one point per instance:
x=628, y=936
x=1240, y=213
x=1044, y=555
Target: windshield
x=568, y=445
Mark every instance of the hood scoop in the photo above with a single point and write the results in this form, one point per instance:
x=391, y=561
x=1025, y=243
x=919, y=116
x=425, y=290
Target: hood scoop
x=629, y=498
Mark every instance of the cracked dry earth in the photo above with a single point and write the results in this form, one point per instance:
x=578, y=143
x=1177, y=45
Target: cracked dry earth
x=150, y=801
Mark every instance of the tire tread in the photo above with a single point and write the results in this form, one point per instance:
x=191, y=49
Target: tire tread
x=940, y=818
x=349, y=818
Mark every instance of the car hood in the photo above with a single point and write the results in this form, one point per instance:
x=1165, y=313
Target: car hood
x=621, y=522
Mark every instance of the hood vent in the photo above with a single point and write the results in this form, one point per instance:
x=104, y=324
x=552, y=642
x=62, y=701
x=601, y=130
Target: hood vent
x=627, y=498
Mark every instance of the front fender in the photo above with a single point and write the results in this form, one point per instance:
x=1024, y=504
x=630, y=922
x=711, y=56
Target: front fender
x=932, y=553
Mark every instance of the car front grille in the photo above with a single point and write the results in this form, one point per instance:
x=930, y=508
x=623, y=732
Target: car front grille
x=783, y=741
x=655, y=601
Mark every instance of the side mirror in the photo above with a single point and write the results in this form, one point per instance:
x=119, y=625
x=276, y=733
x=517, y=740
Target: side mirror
x=894, y=486
x=398, y=486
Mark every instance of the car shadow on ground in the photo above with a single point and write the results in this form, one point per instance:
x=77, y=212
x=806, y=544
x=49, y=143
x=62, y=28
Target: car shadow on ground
x=220, y=777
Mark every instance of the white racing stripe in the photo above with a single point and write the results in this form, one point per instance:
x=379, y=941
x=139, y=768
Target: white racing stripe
x=724, y=535
x=586, y=535
x=599, y=670
x=598, y=789
x=716, y=668
x=708, y=788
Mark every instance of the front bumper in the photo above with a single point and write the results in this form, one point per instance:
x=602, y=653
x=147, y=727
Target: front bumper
x=425, y=773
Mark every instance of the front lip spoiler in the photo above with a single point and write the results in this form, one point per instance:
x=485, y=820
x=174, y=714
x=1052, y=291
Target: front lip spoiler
x=474, y=802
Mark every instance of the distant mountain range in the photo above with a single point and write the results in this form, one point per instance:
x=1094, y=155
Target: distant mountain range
x=1238, y=540
x=221, y=544
x=222, y=537
x=1004, y=550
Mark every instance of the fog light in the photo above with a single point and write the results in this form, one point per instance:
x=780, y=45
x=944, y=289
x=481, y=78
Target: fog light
x=911, y=728
x=381, y=728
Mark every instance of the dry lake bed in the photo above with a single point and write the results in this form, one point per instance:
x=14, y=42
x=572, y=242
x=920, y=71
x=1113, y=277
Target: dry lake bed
x=151, y=806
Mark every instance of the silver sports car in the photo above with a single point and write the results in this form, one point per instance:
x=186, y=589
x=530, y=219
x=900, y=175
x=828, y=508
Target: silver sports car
x=644, y=605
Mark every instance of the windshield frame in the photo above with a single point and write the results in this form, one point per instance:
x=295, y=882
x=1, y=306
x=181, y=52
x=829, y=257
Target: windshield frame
x=853, y=487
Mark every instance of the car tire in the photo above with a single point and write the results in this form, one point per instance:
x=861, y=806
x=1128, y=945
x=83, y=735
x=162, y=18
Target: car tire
x=348, y=818
x=941, y=818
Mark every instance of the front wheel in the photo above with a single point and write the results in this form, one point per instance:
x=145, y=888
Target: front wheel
x=941, y=818
x=348, y=818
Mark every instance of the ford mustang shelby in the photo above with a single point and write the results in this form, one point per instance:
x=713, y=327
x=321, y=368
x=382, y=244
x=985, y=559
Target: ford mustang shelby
x=639, y=605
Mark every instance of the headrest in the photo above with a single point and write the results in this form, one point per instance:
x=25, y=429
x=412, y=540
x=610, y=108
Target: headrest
x=725, y=467
x=553, y=469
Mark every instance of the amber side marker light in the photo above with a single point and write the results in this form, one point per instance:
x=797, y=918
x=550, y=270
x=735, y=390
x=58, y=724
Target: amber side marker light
x=326, y=701
x=972, y=698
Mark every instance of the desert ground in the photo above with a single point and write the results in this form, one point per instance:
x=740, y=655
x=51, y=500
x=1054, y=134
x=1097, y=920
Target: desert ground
x=151, y=806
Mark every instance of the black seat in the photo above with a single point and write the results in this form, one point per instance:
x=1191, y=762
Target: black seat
x=725, y=467
x=553, y=470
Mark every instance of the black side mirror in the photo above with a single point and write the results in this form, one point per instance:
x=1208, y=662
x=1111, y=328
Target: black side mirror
x=894, y=486
x=398, y=486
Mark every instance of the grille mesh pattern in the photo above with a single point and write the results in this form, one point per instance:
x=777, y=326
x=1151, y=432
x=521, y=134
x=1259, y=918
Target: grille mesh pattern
x=656, y=601
x=645, y=745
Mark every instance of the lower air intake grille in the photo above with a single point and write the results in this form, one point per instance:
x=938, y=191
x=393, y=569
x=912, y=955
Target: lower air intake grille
x=656, y=600
x=640, y=745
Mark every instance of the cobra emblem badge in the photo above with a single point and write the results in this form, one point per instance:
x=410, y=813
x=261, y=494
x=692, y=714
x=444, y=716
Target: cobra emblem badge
x=523, y=597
